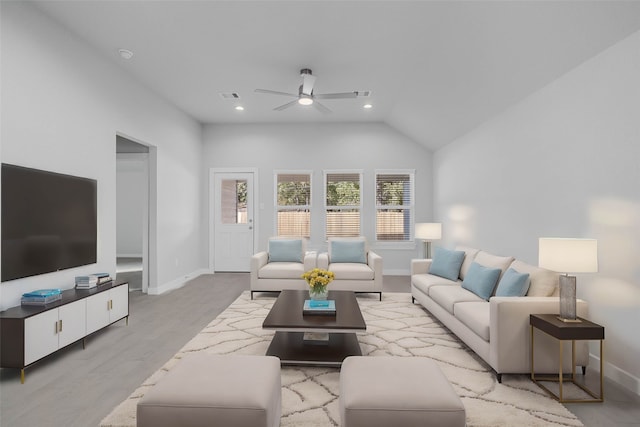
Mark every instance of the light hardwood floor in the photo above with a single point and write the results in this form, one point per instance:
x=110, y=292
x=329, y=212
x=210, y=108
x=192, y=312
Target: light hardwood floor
x=77, y=387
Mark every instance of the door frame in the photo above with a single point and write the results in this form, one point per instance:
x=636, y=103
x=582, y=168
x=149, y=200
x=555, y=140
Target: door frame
x=212, y=208
x=150, y=214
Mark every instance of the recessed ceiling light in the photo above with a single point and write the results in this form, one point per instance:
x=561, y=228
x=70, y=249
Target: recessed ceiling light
x=239, y=108
x=367, y=106
x=125, y=53
x=305, y=100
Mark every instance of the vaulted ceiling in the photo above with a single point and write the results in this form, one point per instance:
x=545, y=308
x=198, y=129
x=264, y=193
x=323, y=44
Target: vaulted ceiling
x=435, y=69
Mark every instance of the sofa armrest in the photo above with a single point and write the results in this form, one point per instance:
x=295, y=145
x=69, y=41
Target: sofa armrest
x=375, y=262
x=420, y=266
x=258, y=260
x=323, y=261
x=310, y=260
x=509, y=330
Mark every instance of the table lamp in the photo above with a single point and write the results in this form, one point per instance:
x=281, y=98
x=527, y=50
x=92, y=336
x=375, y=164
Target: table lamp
x=428, y=231
x=568, y=256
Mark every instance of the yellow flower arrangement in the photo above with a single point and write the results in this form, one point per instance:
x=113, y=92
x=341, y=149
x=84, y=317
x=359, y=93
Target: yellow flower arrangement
x=318, y=280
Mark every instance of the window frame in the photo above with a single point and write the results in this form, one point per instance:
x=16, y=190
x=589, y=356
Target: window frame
x=359, y=208
x=409, y=243
x=277, y=207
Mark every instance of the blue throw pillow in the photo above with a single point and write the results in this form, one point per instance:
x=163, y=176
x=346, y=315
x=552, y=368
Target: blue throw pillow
x=481, y=280
x=348, y=251
x=513, y=284
x=446, y=263
x=285, y=250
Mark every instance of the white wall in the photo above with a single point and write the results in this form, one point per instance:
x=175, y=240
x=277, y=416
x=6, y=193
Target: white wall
x=130, y=200
x=62, y=106
x=364, y=146
x=565, y=162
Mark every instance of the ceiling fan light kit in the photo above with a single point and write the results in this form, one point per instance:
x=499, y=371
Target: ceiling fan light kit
x=305, y=94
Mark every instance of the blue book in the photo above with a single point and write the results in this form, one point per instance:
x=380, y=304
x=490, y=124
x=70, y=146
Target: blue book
x=329, y=308
x=42, y=293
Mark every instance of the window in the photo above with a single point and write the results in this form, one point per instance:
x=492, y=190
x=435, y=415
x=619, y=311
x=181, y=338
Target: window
x=343, y=203
x=293, y=204
x=394, y=205
x=234, y=201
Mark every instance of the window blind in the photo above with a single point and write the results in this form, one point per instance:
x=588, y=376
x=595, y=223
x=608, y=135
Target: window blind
x=394, y=206
x=343, y=204
x=293, y=204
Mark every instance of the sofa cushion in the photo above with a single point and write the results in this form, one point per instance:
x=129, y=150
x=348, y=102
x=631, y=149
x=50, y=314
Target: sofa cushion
x=513, y=284
x=475, y=316
x=481, y=280
x=348, y=251
x=446, y=263
x=285, y=250
x=281, y=270
x=488, y=260
x=544, y=283
x=470, y=254
x=351, y=271
x=447, y=296
x=424, y=281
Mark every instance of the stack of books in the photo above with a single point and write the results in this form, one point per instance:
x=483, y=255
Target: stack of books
x=324, y=307
x=92, y=280
x=41, y=297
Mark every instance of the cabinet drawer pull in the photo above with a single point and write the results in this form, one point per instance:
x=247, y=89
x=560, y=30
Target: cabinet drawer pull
x=60, y=325
x=56, y=327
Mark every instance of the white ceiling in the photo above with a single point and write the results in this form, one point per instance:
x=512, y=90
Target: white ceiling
x=436, y=69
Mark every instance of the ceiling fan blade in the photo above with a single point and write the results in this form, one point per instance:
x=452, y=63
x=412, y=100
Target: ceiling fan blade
x=275, y=92
x=343, y=95
x=287, y=105
x=321, y=107
x=308, y=80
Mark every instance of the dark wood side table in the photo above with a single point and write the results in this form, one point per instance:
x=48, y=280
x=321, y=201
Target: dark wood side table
x=563, y=331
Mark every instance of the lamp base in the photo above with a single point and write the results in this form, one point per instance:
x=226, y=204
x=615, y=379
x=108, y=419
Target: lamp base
x=562, y=319
x=568, y=298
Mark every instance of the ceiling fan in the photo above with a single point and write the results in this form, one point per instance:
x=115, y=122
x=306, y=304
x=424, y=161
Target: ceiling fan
x=305, y=94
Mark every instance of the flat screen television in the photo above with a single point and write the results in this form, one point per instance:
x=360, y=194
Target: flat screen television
x=49, y=222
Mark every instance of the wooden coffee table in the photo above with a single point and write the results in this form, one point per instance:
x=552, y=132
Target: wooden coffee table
x=289, y=343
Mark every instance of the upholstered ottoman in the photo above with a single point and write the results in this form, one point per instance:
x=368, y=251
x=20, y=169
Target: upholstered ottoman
x=211, y=390
x=398, y=392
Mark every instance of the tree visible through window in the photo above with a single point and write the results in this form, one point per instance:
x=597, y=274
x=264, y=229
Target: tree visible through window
x=342, y=204
x=394, y=206
x=293, y=204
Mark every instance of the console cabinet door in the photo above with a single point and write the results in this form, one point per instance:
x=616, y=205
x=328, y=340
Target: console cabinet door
x=72, y=322
x=40, y=335
x=97, y=311
x=119, y=303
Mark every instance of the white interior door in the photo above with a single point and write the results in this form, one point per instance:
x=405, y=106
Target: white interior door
x=233, y=220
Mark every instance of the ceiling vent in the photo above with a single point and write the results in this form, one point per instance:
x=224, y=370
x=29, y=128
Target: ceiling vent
x=363, y=93
x=229, y=95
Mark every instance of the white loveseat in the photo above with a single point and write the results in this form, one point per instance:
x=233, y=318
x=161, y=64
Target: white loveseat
x=498, y=330
x=355, y=266
x=282, y=269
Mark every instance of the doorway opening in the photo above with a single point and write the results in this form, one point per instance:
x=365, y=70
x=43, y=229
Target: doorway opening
x=133, y=183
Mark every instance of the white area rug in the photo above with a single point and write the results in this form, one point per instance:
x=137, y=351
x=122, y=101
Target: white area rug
x=394, y=327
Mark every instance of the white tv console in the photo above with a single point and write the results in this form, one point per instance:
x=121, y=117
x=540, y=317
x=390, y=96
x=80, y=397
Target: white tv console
x=30, y=333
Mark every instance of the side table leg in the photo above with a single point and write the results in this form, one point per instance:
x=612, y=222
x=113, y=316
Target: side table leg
x=560, y=373
x=573, y=360
x=22, y=376
x=532, y=374
x=601, y=371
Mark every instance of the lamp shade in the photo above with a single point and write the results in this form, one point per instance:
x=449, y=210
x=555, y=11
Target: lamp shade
x=568, y=255
x=429, y=230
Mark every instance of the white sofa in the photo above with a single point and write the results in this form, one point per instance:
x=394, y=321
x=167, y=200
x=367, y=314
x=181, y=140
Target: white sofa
x=267, y=275
x=364, y=276
x=498, y=330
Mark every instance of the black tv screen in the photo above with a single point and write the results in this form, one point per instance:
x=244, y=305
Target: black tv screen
x=49, y=222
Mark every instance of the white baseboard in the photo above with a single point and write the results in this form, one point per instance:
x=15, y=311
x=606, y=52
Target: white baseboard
x=617, y=375
x=129, y=255
x=397, y=272
x=177, y=283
